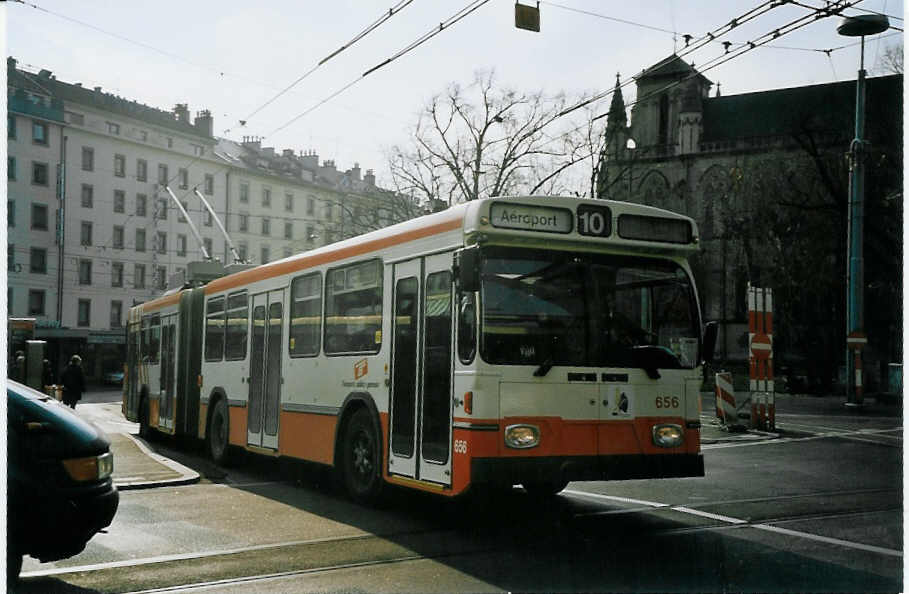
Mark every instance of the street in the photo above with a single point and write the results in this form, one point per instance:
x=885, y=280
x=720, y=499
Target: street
x=817, y=509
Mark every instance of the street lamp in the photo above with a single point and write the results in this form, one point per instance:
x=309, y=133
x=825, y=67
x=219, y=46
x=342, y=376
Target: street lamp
x=857, y=26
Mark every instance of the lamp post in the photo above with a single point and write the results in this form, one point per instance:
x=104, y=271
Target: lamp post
x=857, y=26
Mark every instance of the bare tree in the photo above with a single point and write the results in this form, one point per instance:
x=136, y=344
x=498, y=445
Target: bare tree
x=484, y=140
x=892, y=60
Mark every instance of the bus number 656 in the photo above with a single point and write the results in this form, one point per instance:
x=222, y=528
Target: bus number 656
x=667, y=402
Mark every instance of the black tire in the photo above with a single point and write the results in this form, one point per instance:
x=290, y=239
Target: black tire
x=218, y=434
x=360, y=458
x=545, y=488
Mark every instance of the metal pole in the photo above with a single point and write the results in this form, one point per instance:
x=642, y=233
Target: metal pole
x=217, y=220
x=189, y=221
x=855, y=317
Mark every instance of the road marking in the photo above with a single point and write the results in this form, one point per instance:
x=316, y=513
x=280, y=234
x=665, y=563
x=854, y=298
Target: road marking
x=828, y=435
x=742, y=523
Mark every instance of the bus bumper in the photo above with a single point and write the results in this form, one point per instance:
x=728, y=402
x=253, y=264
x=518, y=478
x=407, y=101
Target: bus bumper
x=511, y=471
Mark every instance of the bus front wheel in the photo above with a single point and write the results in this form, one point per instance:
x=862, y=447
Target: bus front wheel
x=361, y=452
x=218, y=434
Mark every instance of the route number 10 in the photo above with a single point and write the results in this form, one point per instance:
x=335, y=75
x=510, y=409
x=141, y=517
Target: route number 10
x=594, y=220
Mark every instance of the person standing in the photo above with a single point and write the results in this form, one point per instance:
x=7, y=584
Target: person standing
x=73, y=382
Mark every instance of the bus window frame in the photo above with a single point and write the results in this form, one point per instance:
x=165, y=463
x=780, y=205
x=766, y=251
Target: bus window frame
x=227, y=311
x=320, y=295
x=223, y=299
x=380, y=272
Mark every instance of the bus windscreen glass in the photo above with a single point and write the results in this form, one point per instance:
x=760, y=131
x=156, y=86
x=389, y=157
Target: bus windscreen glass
x=559, y=308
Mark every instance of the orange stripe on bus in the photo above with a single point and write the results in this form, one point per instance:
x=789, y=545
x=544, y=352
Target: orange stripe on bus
x=308, y=436
x=267, y=271
x=161, y=302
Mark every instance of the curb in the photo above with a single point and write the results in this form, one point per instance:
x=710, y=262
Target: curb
x=187, y=476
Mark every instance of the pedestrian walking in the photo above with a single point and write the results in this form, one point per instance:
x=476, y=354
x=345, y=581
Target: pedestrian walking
x=47, y=374
x=73, y=381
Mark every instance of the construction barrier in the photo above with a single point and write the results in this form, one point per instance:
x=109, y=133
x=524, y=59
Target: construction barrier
x=760, y=348
x=725, y=399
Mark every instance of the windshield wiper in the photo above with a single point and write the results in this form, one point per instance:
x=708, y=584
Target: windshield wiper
x=544, y=367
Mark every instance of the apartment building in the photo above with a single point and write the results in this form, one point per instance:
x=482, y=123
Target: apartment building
x=93, y=228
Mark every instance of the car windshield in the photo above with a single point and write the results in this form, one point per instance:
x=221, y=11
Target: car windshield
x=558, y=308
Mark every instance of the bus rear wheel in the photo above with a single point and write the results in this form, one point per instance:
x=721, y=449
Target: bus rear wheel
x=218, y=434
x=545, y=488
x=360, y=455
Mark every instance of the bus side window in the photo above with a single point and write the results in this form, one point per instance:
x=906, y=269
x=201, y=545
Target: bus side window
x=353, y=308
x=154, y=339
x=237, y=327
x=214, y=329
x=467, y=327
x=306, y=315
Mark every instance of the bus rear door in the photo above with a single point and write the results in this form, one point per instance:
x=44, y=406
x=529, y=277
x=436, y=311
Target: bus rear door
x=263, y=408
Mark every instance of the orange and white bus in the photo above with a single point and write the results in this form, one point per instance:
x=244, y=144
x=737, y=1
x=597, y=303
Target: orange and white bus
x=524, y=340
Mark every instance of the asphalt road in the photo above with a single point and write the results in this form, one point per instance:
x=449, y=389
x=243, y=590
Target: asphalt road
x=819, y=509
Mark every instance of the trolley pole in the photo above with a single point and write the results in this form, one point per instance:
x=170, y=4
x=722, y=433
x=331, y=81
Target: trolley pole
x=858, y=26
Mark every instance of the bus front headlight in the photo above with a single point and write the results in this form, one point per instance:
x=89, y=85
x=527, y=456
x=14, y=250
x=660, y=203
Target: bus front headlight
x=522, y=436
x=667, y=435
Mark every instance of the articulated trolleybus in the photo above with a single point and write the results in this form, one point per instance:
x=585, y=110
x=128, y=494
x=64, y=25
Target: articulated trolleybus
x=522, y=340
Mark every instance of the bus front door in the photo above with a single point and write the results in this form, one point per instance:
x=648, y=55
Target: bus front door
x=420, y=423
x=265, y=380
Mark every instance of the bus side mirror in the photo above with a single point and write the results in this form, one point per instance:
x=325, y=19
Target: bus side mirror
x=467, y=269
x=711, y=332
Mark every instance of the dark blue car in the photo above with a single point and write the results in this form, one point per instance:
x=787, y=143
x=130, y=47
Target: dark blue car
x=59, y=487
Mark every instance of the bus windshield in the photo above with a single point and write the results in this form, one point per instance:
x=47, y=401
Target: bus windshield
x=550, y=308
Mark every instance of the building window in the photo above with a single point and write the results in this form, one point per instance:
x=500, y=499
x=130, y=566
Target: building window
x=85, y=234
x=266, y=197
x=85, y=272
x=161, y=242
x=39, y=217
x=116, y=274
x=113, y=128
x=35, y=302
x=75, y=118
x=10, y=126
x=181, y=245
x=143, y=135
x=289, y=202
x=161, y=276
x=117, y=239
x=209, y=187
x=139, y=276
x=241, y=249
x=310, y=207
x=266, y=254
x=88, y=196
x=39, y=133
x=310, y=233
x=162, y=174
x=185, y=206
x=170, y=142
x=141, y=170
x=198, y=150
x=244, y=192
x=10, y=213
x=161, y=209
x=37, y=261
x=11, y=168
x=88, y=158
x=85, y=313
x=10, y=257
x=140, y=240
x=116, y=314
x=266, y=226
x=141, y=205
x=288, y=230
x=183, y=177
x=244, y=222
x=206, y=218
x=119, y=201
x=119, y=166
x=39, y=173
x=206, y=241
x=328, y=212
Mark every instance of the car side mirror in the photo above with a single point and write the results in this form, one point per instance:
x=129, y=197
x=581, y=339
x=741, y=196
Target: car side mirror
x=467, y=269
x=711, y=332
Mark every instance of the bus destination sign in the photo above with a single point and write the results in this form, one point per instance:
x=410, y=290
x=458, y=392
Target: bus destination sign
x=506, y=215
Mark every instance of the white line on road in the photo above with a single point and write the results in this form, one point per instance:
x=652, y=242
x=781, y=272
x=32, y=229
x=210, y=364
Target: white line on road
x=832, y=434
x=743, y=523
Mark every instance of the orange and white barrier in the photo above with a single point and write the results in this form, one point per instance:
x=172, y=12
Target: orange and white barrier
x=725, y=399
x=760, y=347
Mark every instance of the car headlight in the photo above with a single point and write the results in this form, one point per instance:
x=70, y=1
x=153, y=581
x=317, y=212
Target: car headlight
x=667, y=435
x=522, y=436
x=92, y=468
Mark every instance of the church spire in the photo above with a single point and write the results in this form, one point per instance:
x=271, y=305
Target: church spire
x=616, y=117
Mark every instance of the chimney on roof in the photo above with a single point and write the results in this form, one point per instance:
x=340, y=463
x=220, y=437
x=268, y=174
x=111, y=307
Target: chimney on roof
x=269, y=151
x=252, y=142
x=310, y=160
x=97, y=89
x=328, y=164
x=355, y=172
x=370, y=178
x=45, y=73
x=289, y=153
x=11, y=62
x=204, y=123
x=181, y=110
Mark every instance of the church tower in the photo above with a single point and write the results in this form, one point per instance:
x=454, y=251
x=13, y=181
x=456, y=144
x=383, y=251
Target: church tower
x=615, y=147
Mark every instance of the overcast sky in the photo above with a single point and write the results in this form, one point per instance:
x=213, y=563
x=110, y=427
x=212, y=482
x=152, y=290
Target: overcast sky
x=232, y=56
